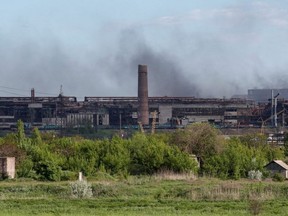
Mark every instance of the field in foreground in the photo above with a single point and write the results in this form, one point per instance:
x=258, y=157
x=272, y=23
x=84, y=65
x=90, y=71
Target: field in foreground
x=146, y=196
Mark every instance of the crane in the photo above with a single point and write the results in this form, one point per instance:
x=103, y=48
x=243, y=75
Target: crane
x=141, y=127
x=263, y=122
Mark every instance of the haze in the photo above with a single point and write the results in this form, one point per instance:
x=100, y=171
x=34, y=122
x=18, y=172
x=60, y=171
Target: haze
x=93, y=47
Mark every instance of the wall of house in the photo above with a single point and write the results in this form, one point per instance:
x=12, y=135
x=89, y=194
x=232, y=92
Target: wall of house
x=7, y=167
x=274, y=168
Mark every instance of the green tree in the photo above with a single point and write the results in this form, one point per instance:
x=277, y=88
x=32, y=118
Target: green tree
x=20, y=133
x=200, y=139
x=147, y=154
x=254, y=140
x=178, y=161
x=237, y=159
x=45, y=163
x=150, y=153
x=286, y=144
x=36, y=137
x=78, y=154
x=115, y=155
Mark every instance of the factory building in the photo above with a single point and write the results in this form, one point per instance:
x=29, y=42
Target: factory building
x=128, y=112
x=114, y=111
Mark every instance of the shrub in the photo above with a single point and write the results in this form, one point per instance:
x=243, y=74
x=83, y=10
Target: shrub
x=48, y=170
x=45, y=163
x=278, y=177
x=150, y=154
x=255, y=206
x=114, y=156
x=252, y=174
x=36, y=137
x=67, y=175
x=81, y=189
x=78, y=155
x=179, y=161
x=147, y=154
x=101, y=190
x=25, y=168
x=4, y=176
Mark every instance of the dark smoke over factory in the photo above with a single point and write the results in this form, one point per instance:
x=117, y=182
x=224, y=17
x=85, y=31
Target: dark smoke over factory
x=128, y=112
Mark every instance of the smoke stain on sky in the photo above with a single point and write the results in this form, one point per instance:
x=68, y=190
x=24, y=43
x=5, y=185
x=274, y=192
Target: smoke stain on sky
x=236, y=52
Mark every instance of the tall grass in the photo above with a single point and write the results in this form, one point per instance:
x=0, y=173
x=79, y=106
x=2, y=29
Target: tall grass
x=148, y=195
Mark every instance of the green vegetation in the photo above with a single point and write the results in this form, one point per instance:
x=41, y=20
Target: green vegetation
x=49, y=157
x=142, y=175
x=226, y=159
x=52, y=158
x=146, y=195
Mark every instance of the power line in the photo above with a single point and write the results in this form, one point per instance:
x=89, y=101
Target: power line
x=13, y=93
x=17, y=89
x=14, y=88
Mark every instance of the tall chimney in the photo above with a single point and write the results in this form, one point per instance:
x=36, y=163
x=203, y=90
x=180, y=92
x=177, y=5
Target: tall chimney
x=143, y=109
x=32, y=95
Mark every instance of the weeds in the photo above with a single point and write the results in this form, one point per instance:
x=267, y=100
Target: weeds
x=170, y=175
x=160, y=197
x=255, y=206
x=257, y=175
x=81, y=189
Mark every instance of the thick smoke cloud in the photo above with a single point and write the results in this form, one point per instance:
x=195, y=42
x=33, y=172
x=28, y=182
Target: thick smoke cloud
x=244, y=47
x=166, y=77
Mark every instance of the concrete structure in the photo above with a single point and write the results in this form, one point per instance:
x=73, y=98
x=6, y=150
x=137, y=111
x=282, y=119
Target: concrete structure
x=125, y=112
x=32, y=94
x=7, y=167
x=109, y=112
x=143, y=110
x=277, y=166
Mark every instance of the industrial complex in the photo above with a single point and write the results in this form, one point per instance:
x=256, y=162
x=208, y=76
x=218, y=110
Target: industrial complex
x=260, y=107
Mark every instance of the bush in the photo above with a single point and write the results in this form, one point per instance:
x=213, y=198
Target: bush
x=147, y=154
x=81, y=189
x=278, y=177
x=48, y=170
x=257, y=175
x=25, y=169
x=255, y=206
x=46, y=164
x=68, y=175
x=114, y=156
x=179, y=161
x=150, y=154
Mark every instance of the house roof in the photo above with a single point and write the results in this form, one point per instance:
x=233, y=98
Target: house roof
x=280, y=163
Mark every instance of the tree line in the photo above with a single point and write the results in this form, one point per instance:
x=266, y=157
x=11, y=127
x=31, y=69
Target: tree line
x=45, y=156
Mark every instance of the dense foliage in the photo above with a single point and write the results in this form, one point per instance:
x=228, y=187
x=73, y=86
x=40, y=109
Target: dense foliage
x=231, y=158
x=45, y=156
x=48, y=157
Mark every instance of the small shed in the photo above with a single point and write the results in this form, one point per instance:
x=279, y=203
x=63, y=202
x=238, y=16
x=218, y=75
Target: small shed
x=7, y=167
x=278, y=166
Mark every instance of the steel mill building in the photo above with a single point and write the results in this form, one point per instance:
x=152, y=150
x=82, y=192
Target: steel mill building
x=258, y=108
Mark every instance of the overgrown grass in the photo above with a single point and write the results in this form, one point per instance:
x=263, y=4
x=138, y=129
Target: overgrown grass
x=146, y=195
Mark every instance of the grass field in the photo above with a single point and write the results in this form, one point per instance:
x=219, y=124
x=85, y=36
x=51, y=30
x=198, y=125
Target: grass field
x=146, y=196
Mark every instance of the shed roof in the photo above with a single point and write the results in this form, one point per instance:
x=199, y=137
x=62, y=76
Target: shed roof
x=280, y=163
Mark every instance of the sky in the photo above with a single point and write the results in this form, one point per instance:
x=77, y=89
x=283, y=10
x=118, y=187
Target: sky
x=211, y=48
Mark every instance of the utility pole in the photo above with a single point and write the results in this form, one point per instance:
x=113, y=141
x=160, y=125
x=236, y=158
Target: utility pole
x=272, y=108
x=275, y=110
x=120, y=119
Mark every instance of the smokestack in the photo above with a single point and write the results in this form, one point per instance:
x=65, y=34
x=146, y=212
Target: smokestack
x=143, y=109
x=32, y=94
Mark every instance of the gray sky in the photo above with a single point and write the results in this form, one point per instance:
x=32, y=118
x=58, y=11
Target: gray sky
x=210, y=48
